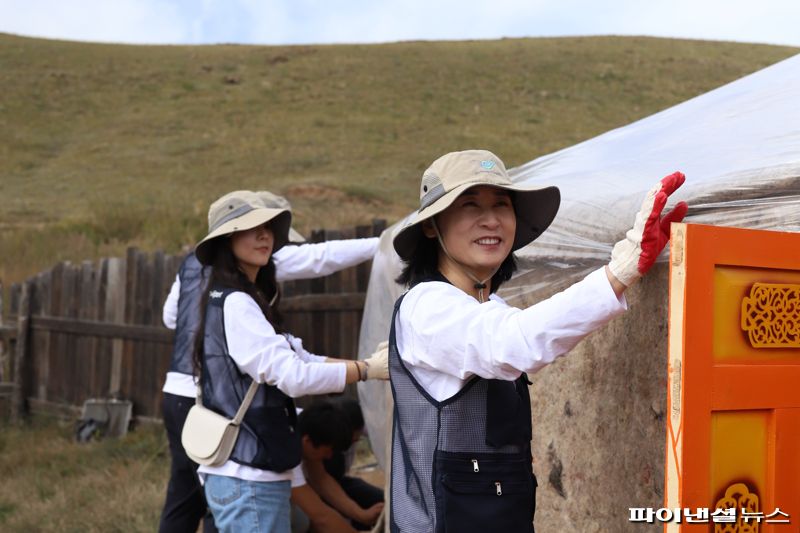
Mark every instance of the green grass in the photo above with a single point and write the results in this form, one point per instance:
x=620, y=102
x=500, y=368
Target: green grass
x=52, y=483
x=105, y=146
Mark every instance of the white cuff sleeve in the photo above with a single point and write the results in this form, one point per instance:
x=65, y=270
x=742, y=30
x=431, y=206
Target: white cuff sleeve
x=267, y=357
x=169, y=314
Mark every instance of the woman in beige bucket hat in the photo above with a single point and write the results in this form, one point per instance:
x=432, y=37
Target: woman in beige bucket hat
x=184, y=503
x=458, y=354
x=238, y=343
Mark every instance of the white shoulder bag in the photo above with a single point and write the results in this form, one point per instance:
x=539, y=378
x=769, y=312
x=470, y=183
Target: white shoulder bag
x=209, y=437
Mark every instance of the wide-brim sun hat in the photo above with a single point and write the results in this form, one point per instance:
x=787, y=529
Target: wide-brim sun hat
x=270, y=199
x=452, y=174
x=241, y=211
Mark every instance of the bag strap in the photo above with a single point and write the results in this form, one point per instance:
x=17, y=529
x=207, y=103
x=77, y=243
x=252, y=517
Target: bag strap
x=248, y=399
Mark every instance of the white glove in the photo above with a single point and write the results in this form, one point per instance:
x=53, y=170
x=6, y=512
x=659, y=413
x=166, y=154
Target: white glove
x=295, y=342
x=378, y=362
x=633, y=256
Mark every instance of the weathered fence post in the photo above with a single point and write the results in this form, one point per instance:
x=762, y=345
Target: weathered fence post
x=41, y=346
x=115, y=312
x=23, y=330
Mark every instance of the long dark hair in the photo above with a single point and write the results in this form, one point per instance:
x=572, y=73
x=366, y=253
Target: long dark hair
x=225, y=272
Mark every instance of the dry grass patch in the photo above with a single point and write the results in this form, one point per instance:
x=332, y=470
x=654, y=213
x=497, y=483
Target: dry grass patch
x=52, y=483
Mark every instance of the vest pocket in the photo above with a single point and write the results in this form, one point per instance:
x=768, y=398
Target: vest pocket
x=484, y=492
x=487, y=505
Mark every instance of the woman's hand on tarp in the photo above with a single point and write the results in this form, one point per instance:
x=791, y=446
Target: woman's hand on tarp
x=633, y=256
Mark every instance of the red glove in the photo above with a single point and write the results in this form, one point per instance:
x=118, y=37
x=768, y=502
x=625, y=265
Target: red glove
x=633, y=256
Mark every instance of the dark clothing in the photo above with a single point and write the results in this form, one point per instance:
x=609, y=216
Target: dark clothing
x=336, y=466
x=361, y=492
x=185, y=504
x=364, y=494
x=462, y=464
x=268, y=437
x=193, y=277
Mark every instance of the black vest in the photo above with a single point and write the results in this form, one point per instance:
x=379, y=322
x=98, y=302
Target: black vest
x=194, y=278
x=267, y=438
x=463, y=464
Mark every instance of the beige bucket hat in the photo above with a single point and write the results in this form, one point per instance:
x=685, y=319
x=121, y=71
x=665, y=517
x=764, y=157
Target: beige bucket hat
x=452, y=174
x=240, y=211
x=275, y=201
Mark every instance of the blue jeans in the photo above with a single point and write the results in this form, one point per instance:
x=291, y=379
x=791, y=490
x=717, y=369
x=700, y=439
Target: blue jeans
x=241, y=506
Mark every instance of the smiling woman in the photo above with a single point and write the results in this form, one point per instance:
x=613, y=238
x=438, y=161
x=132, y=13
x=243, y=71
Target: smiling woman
x=458, y=354
x=239, y=346
x=476, y=235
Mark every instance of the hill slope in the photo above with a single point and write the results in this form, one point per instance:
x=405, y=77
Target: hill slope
x=102, y=146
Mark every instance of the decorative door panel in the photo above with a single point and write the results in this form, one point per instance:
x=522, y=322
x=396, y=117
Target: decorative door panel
x=733, y=430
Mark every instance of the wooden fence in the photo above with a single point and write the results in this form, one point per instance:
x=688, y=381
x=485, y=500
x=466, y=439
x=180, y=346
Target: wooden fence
x=94, y=330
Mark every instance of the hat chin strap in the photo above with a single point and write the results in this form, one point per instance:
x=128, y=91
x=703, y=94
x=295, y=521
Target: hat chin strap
x=480, y=285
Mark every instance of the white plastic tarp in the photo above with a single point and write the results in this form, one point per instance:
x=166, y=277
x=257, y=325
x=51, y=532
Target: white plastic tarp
x=739, y=146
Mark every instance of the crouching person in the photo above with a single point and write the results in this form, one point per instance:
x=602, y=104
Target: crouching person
x=364, y=494
x=324, y=431
x=328, y=433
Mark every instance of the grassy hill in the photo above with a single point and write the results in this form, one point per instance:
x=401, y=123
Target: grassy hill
x=102, y=146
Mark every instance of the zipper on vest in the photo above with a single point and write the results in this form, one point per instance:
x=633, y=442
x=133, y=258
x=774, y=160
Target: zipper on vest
x=499, y=488
x=475, y=466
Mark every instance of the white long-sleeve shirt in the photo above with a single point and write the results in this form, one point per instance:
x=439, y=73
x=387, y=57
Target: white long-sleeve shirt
x=445, y=336
x=292, y=262
x=268, y=358
x=308, y=261
x=303, y=261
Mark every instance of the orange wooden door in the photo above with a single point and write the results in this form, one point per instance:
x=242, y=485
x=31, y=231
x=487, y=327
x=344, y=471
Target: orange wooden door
x=733, y=430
